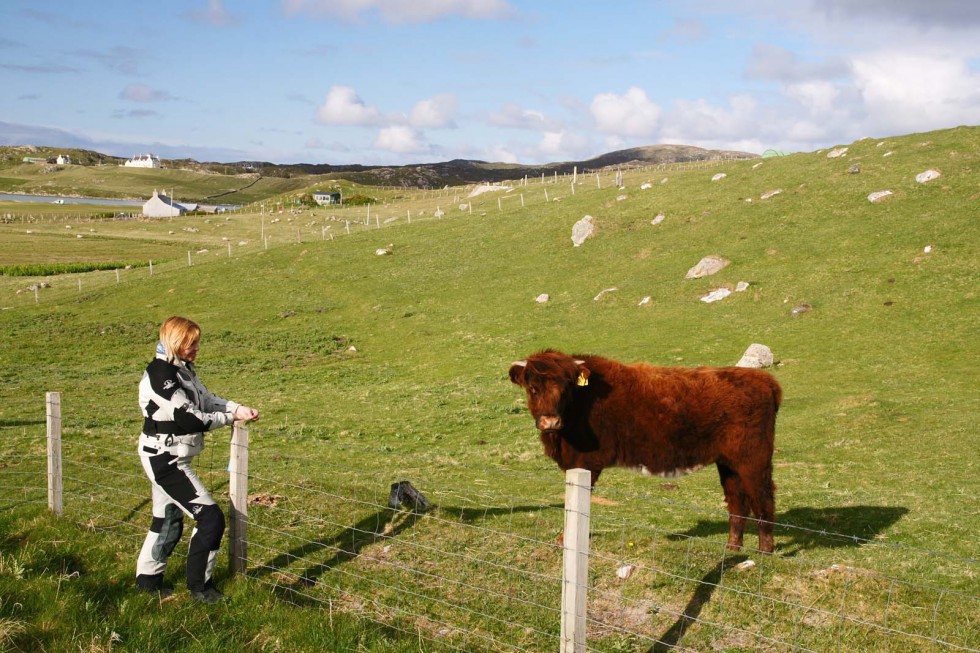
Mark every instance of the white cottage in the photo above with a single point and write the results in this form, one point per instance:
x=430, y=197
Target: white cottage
x=161, y=206
x=144, y=161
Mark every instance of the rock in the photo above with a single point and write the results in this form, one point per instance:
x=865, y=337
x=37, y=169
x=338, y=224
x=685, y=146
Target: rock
x=384, y=251
x=928, y=175
x=625, y=571
x=742, y=286
x=756, y=356
x=463, y=207
x=854, y=169
x=583, y=230
x=646, y=186
x=800, y=309
x=620, y=198
x=837, y=152
x=657, y=220
x=439, y=213
x=877, y=196
x=644, y=301
x=927, y=249
x=542, y=298
x=719, y=176
x=706, y=266
x=603, y=292
x=771, y=193
x=716, y=295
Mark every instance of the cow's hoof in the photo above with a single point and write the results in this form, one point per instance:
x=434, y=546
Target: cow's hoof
x=733, y=547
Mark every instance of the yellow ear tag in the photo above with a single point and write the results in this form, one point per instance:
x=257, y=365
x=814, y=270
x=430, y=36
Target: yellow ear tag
x=582, y=379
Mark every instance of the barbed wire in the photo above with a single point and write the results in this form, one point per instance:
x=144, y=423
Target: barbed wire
x=342, y=511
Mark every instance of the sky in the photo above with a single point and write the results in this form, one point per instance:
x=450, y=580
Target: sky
x=397, y=82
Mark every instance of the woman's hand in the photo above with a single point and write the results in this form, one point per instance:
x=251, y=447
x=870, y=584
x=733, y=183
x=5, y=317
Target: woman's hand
x=246, y=414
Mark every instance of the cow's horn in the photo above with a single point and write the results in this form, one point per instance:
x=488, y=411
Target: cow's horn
x=578, y=362
x=521, y=363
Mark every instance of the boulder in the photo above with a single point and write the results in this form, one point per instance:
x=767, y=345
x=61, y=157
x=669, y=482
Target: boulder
x=716, y=295
x=928, y=175
x=604, y=292
x=837, y=152
x=707, y=266
x=756, y=356
x=542, y=298
x=583, y=230
x=877, y=196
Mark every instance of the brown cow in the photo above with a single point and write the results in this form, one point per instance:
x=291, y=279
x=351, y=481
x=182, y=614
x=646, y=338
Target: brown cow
x=594, y=413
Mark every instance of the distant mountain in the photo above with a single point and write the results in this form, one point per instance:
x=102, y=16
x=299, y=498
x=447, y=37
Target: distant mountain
x=465, y=171
x=420, y=175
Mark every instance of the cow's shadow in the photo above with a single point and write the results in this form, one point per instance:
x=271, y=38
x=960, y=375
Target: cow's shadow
x=706, y=587
x=341, y=547
x=799, y=529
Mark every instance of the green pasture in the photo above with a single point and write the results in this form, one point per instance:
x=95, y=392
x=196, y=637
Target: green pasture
x=372, y=368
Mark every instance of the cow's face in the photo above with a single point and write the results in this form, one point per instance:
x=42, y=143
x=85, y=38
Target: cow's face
x=549, y=378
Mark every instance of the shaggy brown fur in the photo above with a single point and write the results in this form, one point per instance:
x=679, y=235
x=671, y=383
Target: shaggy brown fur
x=594, y=413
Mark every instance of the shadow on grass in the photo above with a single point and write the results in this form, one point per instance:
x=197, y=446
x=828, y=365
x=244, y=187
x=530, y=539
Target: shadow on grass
x=10, y=423
x=344, y=546
x=706, y=587
x=799, y=529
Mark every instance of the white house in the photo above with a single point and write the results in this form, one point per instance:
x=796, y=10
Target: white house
x=63, y=160
x=161, y=206
x=144, y=161
x=326, y=197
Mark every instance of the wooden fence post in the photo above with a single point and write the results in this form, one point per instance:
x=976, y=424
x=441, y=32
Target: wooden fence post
x=238, y=491
x=575, y=572
x=55, y=502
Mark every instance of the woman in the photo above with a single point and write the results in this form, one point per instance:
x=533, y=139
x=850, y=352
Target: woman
x=177, y=411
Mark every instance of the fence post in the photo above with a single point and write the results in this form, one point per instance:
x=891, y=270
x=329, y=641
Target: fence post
x=238, y=491
x=575, y=572
x=55, y=504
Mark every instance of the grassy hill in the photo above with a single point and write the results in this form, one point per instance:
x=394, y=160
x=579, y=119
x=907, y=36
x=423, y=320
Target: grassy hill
x=876, y=440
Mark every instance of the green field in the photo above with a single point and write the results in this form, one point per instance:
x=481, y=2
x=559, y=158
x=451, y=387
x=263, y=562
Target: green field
x=371, y=369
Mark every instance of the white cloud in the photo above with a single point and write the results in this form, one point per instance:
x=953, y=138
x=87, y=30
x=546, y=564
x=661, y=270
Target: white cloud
x=631, y=114
x=561, y=145
x=343, y=107
x=501, y=154
x=400, y=11
x=904, y=91
x=438, y=111
x=512, y=115
x=400, y=139
x=816, y=96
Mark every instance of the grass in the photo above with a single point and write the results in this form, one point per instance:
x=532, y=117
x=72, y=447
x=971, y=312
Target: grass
x=876, y=438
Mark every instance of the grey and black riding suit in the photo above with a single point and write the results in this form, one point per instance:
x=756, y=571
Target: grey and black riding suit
x=177, y=411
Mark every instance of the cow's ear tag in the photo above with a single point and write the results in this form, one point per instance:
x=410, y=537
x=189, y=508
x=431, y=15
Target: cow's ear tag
x=582, y=379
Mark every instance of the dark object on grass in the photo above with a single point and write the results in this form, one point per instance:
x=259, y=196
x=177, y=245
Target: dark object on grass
x=404, y=494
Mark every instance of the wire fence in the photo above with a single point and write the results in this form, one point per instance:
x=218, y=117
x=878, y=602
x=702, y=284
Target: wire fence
x=482, y=568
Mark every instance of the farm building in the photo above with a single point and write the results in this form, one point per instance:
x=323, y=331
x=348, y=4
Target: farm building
x=323, y=197
x=161, y=206
x=144, y=161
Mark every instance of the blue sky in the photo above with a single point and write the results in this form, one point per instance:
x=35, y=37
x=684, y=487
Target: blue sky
x=396, y=82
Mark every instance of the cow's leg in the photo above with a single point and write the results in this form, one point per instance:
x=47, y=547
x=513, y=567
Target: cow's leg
x=737, y=509
x=762, y=500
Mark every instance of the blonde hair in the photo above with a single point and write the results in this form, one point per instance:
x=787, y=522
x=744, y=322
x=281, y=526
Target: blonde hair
x=176, y=334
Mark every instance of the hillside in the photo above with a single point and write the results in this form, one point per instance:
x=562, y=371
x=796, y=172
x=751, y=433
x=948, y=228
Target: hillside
x=376, y=342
